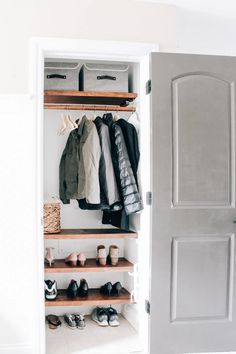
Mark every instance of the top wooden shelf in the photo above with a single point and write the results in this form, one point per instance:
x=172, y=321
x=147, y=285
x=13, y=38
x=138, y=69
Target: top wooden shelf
x=67, y=97
x=91, y=234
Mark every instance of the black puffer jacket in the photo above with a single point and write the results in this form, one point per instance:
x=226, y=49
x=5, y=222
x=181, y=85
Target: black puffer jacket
x=124, y=173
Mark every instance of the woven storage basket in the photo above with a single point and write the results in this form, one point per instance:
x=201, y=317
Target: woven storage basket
x=51, y=217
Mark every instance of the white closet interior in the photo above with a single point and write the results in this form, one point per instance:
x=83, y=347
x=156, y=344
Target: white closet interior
x=133, y=322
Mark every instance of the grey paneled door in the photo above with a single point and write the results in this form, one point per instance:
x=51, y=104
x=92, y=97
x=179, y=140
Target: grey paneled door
x=193, y=300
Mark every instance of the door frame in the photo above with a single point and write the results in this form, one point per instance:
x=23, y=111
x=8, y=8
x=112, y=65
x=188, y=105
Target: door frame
x=41, y=48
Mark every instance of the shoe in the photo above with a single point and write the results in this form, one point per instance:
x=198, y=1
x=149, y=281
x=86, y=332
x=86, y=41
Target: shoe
x=50, y=289
x=81, y=259
x=80, y=321
x=72, y=290
x=71, y=259
x=99, y=315
x=83, y=288
x=49, y=257
x=113, y=318
x=70, y=320
x=101, y=255
x=116, y=288
x=106, y=289
x=53, y=321
x=114, y=255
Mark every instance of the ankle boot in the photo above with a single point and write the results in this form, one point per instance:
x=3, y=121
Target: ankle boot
x=101, y=255
x=114, y=255
x=83, y=288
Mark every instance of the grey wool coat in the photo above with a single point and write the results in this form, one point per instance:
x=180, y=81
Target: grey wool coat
x=109, y=190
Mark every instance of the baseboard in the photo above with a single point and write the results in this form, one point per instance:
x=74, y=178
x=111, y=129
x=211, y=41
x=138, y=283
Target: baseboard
x=130, y=313
x=16, y=349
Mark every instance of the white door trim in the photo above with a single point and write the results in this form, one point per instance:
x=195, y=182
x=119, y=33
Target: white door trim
x=73, y=49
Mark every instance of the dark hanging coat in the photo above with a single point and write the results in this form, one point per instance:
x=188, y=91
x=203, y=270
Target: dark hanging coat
x=123, y=170
x=131, y=141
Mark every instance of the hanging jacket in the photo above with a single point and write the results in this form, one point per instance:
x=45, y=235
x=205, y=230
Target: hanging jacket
x=109, y=191
x=69, y=167
x=79, y=166
x=131, y=141
x=124, y=173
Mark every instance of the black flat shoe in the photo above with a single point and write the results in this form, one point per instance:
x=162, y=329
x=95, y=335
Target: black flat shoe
x=106, y=289
x=83, y=288
x=72, y=289
x=116, y=288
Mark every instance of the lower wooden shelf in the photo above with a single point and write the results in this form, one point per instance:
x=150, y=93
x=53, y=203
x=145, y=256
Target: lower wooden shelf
x=94, y=298
x=59, y=266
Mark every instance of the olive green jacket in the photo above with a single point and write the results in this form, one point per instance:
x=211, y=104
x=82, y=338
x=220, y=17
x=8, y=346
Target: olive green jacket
x=79, y=165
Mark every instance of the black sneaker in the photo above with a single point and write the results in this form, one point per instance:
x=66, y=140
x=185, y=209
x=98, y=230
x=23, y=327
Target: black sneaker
x=72, y=289
x=50, y=289
x=99, y=315
x=70, y=320
x=113, y=318
x=80, y=321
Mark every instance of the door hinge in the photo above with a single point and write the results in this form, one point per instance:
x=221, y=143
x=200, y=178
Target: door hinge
x=149, y=198
x=148, y=87
x=147, y=307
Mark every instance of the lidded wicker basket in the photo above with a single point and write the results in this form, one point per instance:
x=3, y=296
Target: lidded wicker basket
x=52, y=217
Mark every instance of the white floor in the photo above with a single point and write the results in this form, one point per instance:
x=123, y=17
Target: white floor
x=93, y=339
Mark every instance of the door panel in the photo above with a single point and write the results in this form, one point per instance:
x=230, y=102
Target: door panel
x=193, y=180
x=207, y=295
x=202, y=179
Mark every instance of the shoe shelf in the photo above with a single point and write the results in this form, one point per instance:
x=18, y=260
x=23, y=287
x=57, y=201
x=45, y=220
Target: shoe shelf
x=94, y=298
x=91, y=234
x=59, y=266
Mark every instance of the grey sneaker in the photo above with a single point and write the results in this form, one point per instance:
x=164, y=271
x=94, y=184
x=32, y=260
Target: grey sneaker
x=113, y=318
x=70, y=320
x=99, y=315
x=80, y=321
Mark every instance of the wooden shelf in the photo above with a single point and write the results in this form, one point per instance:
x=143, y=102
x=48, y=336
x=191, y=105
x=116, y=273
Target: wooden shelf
x=75, y=100
x=59, y=266
x=93, y=299
x=91, y=234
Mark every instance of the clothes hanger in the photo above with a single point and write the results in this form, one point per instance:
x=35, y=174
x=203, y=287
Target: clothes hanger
x=94, y=116
x=116, y=116
x=63, y=127
x=72, y=124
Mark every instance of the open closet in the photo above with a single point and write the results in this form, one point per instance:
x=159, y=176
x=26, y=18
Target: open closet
x=76, y=93
x=177, y=258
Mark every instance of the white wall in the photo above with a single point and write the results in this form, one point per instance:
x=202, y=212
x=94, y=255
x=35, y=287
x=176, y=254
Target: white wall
x=123, y=20
x=201, y=33
x=17, y=225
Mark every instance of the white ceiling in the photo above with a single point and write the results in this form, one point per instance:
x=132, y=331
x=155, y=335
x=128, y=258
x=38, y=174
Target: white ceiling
x=216, y=7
